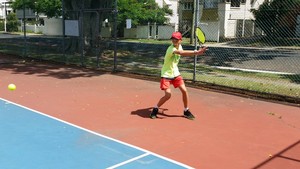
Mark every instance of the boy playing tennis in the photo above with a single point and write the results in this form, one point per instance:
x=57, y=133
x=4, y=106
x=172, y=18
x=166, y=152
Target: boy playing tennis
x=170, y=74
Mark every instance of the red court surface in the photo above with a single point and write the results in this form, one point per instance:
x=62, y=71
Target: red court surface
x=229, y=132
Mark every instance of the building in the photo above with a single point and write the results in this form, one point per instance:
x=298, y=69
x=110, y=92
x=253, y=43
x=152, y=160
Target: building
x=154, y=31
x=173, y=5
x=5, y=8
x=220, y=19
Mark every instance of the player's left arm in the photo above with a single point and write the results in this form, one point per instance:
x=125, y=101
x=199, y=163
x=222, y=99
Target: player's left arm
x=191, y=52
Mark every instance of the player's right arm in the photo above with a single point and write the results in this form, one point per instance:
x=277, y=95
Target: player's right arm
x=190, y=52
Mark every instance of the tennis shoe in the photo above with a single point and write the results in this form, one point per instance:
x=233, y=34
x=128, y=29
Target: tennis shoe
x=153, y=114
x=187, y=114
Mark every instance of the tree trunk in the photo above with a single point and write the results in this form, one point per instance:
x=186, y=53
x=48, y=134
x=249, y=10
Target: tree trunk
x=91, y=13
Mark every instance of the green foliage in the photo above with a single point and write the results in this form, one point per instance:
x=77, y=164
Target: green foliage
x=12, y=22
x=277, y=18
x=52, y=8
x=141, y=12
x=1, y=25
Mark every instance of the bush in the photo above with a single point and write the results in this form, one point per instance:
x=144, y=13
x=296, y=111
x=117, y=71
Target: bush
x=1, y=25
x=12, y=22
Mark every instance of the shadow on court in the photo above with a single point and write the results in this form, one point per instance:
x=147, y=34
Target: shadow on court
x=145, y=113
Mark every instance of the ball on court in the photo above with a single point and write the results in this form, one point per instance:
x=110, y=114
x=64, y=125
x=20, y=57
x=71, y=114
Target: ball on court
x=12, y=87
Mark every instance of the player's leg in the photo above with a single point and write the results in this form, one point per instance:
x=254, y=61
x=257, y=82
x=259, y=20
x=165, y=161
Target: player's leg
x=185, y=97
x=165, y=98
x=165, y=86
x=161, y=101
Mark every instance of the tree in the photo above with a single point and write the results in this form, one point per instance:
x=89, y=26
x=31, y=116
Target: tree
x=92, y=13
x=12, y=22
x=141, y=12
x=277, y=18
x=51, y=8
x=73, y=9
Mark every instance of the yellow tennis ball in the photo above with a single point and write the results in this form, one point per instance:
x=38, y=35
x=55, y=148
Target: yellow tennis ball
x=12, y=87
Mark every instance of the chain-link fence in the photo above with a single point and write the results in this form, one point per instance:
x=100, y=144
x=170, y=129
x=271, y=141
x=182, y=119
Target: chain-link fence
x=247, y=52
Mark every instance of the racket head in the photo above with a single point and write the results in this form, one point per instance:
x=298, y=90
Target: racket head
x=200, y=36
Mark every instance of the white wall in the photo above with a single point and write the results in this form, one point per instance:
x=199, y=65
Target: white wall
x=211, y=30
x=142, y=32
x=174, y=19
x=228, y=17
x=173, y=5
x=130, y=33
x=53, y=26
x=2, y=8
x=164, y=32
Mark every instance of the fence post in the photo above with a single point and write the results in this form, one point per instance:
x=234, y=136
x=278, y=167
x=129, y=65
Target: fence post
x=196, y=16
x=25, y=40
x=64, y=33
x=115, y=34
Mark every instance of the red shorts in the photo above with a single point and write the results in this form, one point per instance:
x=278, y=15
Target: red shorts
x=165, y=82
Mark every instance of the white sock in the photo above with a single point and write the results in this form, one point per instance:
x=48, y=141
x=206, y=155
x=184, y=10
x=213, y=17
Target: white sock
x=185, y=109
x=155, y=107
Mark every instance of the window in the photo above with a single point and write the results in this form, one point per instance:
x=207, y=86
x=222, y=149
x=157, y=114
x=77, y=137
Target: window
x=188, y=6
x=235, y=3
x=210, y=3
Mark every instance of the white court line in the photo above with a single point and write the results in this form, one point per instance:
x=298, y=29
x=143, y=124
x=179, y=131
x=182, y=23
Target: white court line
x=253, y=70
x=98, y=134
x=128, y=161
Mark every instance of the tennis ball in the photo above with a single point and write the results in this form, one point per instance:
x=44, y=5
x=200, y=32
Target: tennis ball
x=12, y=87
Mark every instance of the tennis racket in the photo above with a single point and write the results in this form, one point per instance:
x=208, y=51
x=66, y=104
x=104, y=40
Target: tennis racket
x=200, y=36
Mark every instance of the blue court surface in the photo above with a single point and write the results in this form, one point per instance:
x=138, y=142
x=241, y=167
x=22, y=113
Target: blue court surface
x=33, y=140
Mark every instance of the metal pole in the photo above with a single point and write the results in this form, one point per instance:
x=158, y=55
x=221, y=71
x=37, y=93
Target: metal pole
x=115, y=35
x=196, y=16
x=243, y=30
x=82, y=33
x=24, y=22
x=5, y=17
x=64, y=33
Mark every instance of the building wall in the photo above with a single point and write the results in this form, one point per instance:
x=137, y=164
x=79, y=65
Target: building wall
x=2, y=8
x=173, y=5
x=185, y=17
x=221, y=15
x=53, y=26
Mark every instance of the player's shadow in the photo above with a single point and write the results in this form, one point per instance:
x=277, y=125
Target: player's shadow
x=145, y=113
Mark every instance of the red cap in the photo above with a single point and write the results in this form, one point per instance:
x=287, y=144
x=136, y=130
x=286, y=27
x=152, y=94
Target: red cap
x=176, y=35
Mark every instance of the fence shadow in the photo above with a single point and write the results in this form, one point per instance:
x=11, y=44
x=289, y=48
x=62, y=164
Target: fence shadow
x=28, y=66
x=281, y=155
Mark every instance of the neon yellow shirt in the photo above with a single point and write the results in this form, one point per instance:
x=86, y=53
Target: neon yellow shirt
x=170, y=67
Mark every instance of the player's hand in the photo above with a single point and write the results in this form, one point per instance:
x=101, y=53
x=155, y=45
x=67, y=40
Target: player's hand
x=201, y=51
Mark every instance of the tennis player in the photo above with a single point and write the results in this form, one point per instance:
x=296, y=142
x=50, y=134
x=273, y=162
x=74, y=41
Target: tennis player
x=170, y=74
